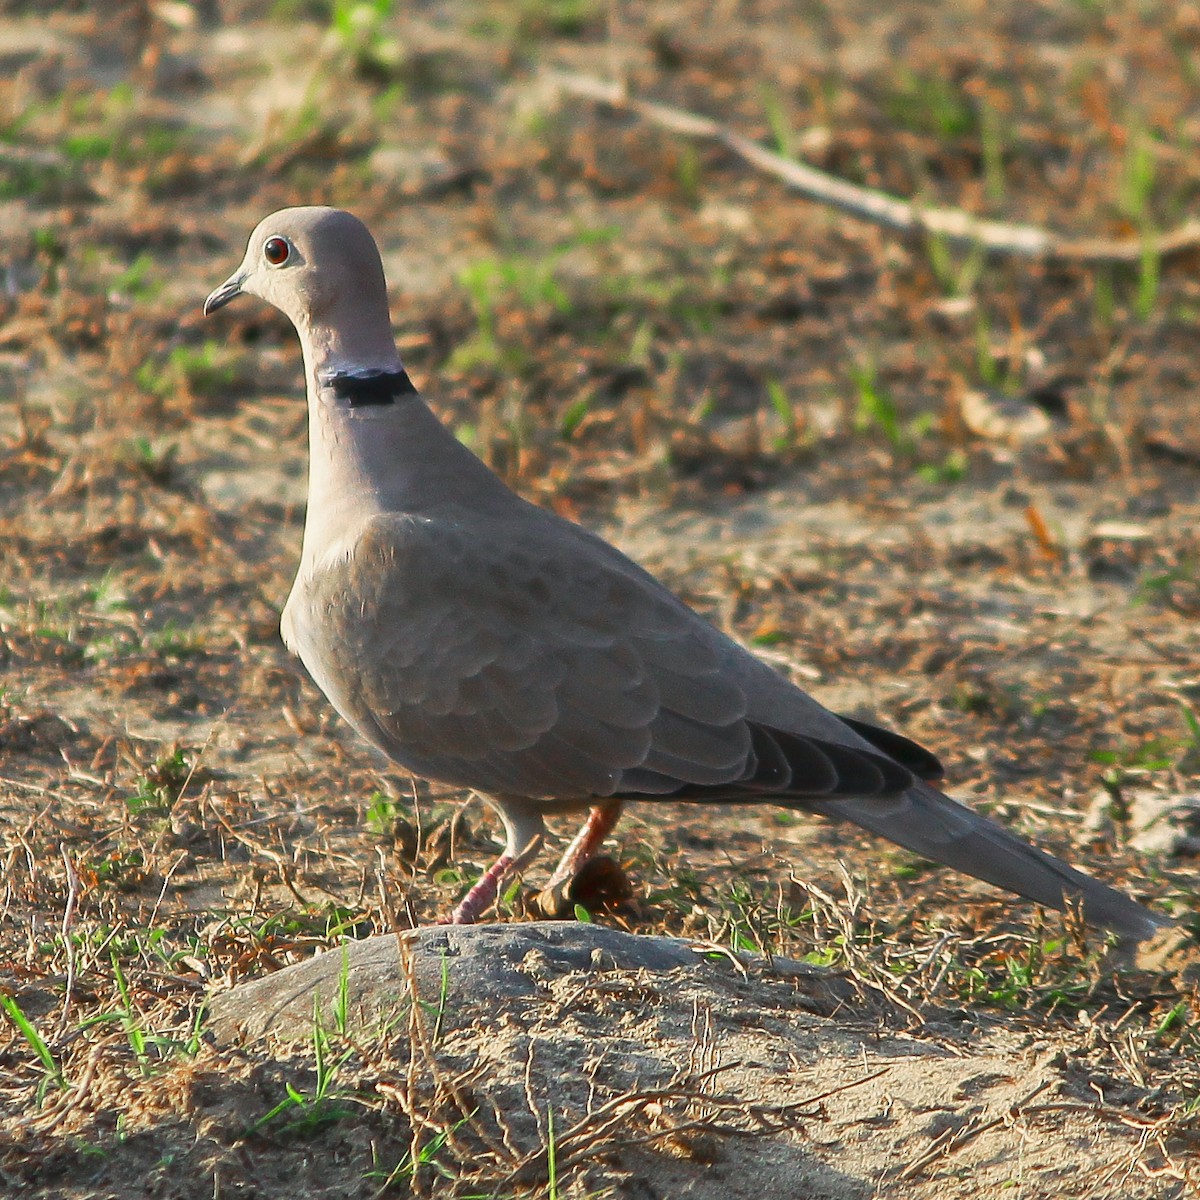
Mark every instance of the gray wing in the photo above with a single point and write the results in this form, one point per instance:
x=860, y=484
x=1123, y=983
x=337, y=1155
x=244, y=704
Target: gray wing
x=528, y=658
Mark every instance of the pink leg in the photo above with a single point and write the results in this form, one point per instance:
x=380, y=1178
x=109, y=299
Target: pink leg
x=523, y=826
x=482, y=894
x=587, y=841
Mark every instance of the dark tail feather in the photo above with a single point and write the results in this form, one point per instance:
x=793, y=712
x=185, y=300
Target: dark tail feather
x=936, y=827
x=921, y=762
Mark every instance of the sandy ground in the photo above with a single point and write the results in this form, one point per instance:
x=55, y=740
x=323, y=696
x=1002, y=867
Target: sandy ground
x=957, y=494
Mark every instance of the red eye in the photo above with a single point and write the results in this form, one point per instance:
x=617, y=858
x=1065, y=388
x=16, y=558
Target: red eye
x=276, y=251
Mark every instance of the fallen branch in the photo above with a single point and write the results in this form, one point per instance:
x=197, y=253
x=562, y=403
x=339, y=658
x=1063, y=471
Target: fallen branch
x=957, y=227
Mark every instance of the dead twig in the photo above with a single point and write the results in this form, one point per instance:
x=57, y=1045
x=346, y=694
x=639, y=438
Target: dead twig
x=452, y=1113
x=959, y=228
x=74, y=888
x=605, y=1128
x=954, y=1140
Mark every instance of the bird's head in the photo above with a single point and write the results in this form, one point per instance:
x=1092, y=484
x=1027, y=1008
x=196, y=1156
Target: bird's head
x=318, y=266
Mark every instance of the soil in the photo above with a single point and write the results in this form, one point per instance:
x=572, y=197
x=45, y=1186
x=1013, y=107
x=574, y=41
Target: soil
x=955, y=495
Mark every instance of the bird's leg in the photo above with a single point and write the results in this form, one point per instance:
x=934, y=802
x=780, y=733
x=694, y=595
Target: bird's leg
x=523, y=839
x=587, y=841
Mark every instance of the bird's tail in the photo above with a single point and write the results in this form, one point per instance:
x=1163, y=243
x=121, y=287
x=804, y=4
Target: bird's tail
x=933, y=825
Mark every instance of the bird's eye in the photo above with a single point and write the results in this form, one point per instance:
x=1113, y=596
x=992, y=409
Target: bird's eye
x=276, y=251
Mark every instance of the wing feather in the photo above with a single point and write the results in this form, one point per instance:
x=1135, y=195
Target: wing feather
x=508, y=661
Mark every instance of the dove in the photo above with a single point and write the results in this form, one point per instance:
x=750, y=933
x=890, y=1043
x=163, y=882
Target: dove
x=481, y=641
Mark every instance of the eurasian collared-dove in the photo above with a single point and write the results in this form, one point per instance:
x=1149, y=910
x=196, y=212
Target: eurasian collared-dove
x=481, y=641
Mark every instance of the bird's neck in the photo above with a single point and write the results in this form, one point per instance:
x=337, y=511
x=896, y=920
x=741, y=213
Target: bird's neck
x=375, y=447
x=358, y=340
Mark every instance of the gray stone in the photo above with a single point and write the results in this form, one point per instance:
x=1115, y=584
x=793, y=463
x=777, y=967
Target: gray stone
x=492, y=967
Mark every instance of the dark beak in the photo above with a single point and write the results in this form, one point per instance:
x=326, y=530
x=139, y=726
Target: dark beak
x=229, y=290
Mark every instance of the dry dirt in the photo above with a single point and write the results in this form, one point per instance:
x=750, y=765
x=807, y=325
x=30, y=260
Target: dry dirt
x=777, y=409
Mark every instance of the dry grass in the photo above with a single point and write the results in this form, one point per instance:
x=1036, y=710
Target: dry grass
x=642, y=334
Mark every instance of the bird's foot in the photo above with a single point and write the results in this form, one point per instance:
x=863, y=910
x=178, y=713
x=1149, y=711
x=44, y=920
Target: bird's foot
x=587, y=841
x=599, y=883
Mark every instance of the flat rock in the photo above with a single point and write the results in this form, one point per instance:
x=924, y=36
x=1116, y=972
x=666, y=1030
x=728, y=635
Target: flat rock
x=497, y=968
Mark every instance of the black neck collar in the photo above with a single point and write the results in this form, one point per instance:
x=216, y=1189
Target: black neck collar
x=370, y=388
